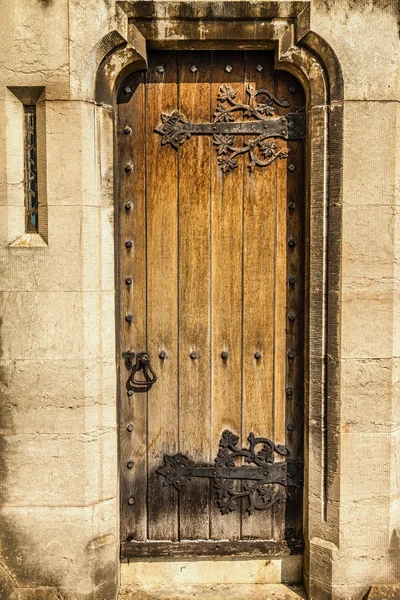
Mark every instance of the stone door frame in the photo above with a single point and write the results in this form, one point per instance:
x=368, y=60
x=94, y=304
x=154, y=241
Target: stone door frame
x=285, y=27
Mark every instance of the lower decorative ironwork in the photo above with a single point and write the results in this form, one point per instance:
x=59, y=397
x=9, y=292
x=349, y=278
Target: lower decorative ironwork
x=263, y=485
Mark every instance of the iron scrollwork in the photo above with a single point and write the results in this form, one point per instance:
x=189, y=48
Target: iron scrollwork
x=226, y=105
x=175, y=128
x=263, y=484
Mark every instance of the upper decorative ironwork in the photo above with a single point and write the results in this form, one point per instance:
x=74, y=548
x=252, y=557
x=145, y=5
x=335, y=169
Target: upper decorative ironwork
x=263, y=484
x=227, y=103
x=175, y=129
x=261, y=119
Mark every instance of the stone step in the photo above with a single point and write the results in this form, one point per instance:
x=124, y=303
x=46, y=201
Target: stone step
x=216, y=592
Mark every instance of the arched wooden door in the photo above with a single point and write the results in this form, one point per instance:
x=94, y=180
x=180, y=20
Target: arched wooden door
x=211, y=292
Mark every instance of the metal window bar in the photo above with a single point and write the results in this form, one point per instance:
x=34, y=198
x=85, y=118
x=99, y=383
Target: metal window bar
x=31, y=184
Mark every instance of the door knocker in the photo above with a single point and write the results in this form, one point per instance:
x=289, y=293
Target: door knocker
x=142, y=364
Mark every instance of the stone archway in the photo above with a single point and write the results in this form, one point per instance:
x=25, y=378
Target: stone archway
x=309, y=58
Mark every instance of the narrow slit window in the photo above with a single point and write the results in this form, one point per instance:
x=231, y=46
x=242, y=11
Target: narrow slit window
x=31, y=183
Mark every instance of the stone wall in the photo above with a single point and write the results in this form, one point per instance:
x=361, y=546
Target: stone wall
x=365, y=38
x=58, y=519
x=58, y=446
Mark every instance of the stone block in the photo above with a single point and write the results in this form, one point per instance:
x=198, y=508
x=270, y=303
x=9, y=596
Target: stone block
x=86, y=49
x=70, y=132
x=60, y=396
x=14, y=146
x=109, y=325
x=59, y=548
x=107, y=258
x=368, y=248
x=97, y=255
x=59, y=469
x=364, y=37
x=362, y=569
x=104, y=142
x=365, y=524
x=369, y=152
x=366, y=395
x=319, y=590
x=215, y=592
x=73, y=259
x=396, y=324
x=322, y=556
x=348, y=592
x=156, y=574
x=49, y=268
x=395, y=496
x=52, y=322
x=14, y=223
x=364, y=466
x=366, y=324
x=33, y=54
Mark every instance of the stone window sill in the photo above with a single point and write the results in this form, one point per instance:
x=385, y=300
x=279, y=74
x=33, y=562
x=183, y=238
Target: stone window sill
x=29, y=240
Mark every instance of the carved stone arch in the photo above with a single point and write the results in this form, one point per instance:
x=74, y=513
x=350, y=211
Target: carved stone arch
x=316, y=66
x=310, y=59
x=116, y=65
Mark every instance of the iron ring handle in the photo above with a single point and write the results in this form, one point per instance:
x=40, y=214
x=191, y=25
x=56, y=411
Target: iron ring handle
x=143, y=363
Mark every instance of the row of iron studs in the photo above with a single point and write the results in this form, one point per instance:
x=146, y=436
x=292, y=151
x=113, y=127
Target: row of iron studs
x=160, y=69
x=128, y=280
x=291, y=314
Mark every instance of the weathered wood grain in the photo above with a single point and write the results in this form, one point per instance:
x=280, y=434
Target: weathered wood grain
x=281, y=323
x=295, y=292
x=132, y=300
x=162, y=295
x=258, y=296
x=210, y=265
x=247, y=548
x=194, y=290
x=227, y=249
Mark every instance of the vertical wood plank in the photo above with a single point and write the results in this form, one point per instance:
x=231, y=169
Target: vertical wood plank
x=132, y=300
x=289, y=87
x=162, y=294
x=194, y=291
x=227, y=214
x=281, y=314
x=258, y=300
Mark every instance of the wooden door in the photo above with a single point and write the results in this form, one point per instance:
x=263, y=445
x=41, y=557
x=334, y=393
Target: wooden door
x=210, y=244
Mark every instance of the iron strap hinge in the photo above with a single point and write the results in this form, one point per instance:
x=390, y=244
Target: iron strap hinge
x=260, y=120
x=263, y=484
x=290, y=127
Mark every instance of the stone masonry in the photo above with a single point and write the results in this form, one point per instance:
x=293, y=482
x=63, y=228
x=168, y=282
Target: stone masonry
x=58, y=446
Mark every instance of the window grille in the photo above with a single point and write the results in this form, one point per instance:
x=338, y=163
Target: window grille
x=31, y=183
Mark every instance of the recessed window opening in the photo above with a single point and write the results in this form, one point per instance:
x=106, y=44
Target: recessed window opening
x=31, y=180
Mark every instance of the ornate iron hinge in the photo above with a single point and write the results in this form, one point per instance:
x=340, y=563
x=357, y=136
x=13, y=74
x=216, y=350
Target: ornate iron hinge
x=265, y=484
x=175, y=128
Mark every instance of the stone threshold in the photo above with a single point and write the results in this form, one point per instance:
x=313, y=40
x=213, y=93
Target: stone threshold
x=255, y=591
